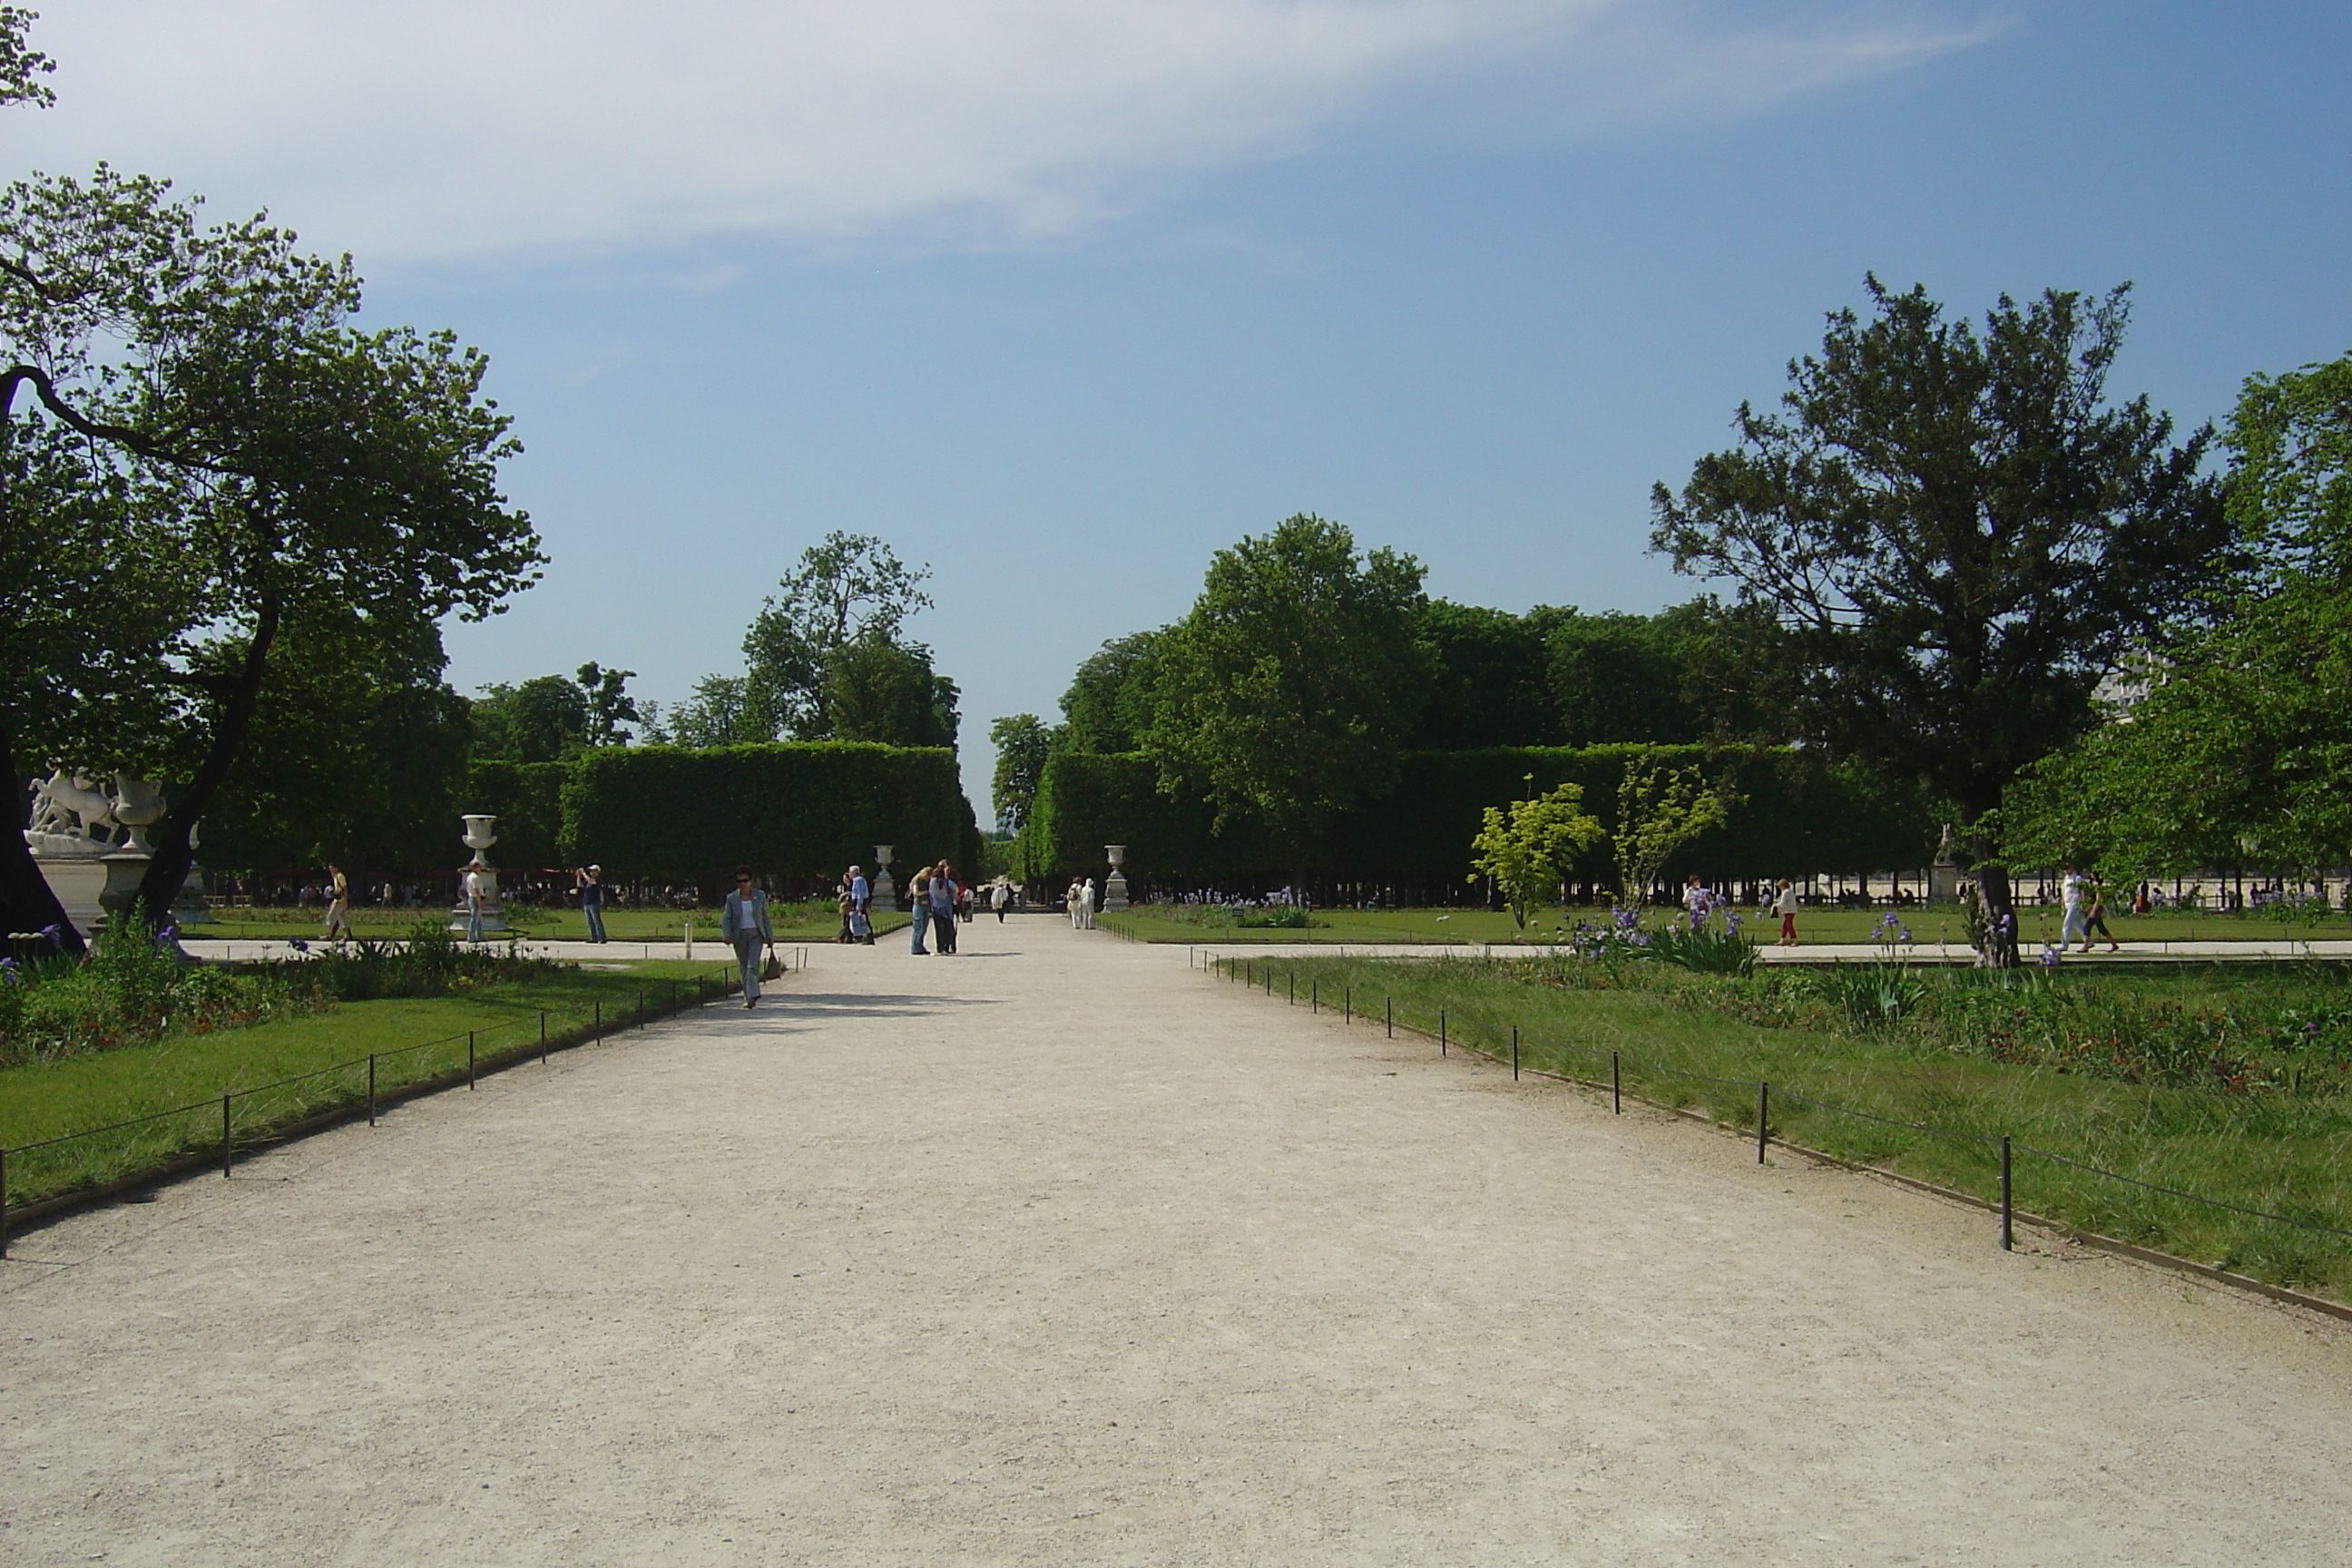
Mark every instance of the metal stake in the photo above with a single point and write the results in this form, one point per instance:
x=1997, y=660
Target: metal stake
x=3, y=1203
x=1514, y=1053
x=542, y=1037
x=225, y=1155
x=1389, y=1010
x=1347, y=1003
x=1763, y=1110
x=1314, y=996
x=1441, y=1031
x=469, y=1058
x=600, y=1017
x=2008, y=1213
x=1616, y=1088
x=371, y=1088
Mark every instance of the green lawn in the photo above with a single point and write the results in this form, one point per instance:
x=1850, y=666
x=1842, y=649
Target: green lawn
x=1157, y=923
x=796, y=922
x=414, y=1038
x=2261, y=1149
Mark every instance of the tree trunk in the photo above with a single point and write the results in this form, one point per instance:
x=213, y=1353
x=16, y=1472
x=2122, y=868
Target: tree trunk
x=169, y=869
x=1999, y=948
x=28, y=902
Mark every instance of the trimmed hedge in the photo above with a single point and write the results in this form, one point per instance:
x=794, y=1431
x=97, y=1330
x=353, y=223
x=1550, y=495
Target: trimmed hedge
x=789, y=809
x=1797, y=818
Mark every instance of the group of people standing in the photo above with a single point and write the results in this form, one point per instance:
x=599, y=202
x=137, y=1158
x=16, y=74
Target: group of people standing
x=936, y=901
x=1081, y=903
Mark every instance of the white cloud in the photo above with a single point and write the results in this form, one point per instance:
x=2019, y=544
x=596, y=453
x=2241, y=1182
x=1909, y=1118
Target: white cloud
x=441, y=129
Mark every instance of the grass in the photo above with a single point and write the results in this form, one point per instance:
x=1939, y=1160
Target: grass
x=2261, y=1149
x=416, y=1039
x=799, y=920
x=1160, y=923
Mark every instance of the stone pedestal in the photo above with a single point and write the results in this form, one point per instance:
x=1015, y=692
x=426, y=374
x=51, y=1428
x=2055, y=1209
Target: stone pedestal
x=77, y=877
x=1114, y=885
x=478, y=838
x=881, y=896
x=1944, y=876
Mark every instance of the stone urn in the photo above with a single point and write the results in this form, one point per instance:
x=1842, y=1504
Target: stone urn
x=880, y=894
x=478, y=836
x=1114, y=885
x=138, y=805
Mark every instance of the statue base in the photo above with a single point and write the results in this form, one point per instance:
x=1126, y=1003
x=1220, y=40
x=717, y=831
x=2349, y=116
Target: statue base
x=1115, y=891
x=881, y=897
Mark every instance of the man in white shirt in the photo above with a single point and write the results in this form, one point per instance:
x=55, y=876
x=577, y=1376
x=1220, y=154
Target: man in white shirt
x=2070, y=892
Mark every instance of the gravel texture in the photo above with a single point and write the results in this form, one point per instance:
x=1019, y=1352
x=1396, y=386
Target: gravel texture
x=1055, y=1252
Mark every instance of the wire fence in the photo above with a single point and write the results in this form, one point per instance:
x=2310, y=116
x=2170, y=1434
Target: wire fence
x=1263, y=976
x=165, y=1143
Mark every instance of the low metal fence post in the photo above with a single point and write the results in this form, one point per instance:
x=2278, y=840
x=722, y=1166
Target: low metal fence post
x=1441, y=1031
x=1314, y=996
x=1514, y=1053
x=542, y=1037
x=599, y=1024
x=3, y=1203
x=2008, y=1213
x=228, y=1156
x=1347, y=1003
x=469, y=1058
x=371, y=1088
x=1616, y=1088
x=1763, y=1111
x=1388, y=1012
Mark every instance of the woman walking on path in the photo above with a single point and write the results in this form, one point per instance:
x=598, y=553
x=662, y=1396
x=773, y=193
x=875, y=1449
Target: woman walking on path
x=743, y=925
x=2070, y=893
x=918, y=900
x=999, y=898
x=1070, y=904
x=1785, y=906
x=339, y=902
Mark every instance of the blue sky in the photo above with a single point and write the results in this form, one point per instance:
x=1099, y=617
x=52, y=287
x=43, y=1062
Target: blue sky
x=1060, y=297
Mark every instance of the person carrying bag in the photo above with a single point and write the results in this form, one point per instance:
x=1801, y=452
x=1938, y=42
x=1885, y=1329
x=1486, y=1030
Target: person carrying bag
x=743, y=925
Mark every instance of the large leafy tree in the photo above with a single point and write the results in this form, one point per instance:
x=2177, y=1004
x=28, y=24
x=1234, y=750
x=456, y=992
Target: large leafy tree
x=1023, y=741
x=847, y=588
x=1948, y=538
x=2236, y=747
x=879, y=690
x=1487, y=686
x=1109, y=704
x=1288, y=691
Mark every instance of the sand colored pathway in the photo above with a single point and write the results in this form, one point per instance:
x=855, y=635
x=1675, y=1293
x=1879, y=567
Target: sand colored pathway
x=1058, y=1253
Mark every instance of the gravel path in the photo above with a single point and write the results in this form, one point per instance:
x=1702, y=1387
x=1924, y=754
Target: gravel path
x=1057, y=1253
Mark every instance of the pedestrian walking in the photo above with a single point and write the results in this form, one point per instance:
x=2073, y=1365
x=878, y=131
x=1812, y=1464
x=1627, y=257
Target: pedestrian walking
x=2070, y=895
x=918, y=901
x=1785, y=906
x=743, y=925
x=999, y=898
x=339, y=903
x=1696, y=901
x=1086, y=906
x=588, y=883
x=861, y=907
x=1070, y=905
x=2096, y=920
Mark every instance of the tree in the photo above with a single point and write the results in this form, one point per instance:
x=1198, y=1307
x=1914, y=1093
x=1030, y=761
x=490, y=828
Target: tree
x=717, y=713
x=1659, y=810
x=876, y=690
x=1288, y=691
x=1950, y=539
x=2239, y=750
x=848, y=588
x=1618, y=677
x=1022, y=743
x=1109, y=704
x=1487, y=686
x=543, y=720
x=609, y=705
x=1529, y=846
x=21, y=65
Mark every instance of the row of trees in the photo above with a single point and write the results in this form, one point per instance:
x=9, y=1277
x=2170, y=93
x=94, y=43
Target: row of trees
x=223, y=506
x=1942, y=550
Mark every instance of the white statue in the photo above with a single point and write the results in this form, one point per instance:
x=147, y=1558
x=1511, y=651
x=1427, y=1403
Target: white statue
x=72, y=805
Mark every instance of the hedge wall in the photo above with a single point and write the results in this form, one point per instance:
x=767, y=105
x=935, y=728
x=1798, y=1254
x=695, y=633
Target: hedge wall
x=792, y=810
x=1796, y=819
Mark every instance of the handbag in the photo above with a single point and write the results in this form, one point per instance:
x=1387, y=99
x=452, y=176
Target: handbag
x=773, y=969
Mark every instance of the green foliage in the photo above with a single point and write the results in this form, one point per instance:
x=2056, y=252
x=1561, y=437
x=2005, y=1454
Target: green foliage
x=1528, y=847
x=1792, y=816
x=847, y=588
x=609, y=705
x=1286, y=693
x=21, y=65
x=2239, y=750
x=1622, y=678
x=1659, y=810
x=1950, y=539
x=796, y=809
x=528, y=800
x=130, y=991
x=1108, y=707
x=879, y=691
x=1488, y=683
x=717, y=713
x=1023, y=742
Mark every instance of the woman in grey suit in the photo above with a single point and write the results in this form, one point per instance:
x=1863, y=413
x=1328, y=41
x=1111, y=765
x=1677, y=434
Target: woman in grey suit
x=744, y=923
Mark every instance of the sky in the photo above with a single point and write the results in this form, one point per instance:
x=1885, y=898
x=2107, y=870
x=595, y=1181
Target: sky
x=1060, y=297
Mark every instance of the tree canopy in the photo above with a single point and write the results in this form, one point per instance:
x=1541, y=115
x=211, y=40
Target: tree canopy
x=1288, y=691
x=847, y=588
x=1948, y=538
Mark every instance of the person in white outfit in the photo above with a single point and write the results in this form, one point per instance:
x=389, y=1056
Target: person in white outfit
x=1070, y=901
x=1086, y=906
x=2070, y=894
